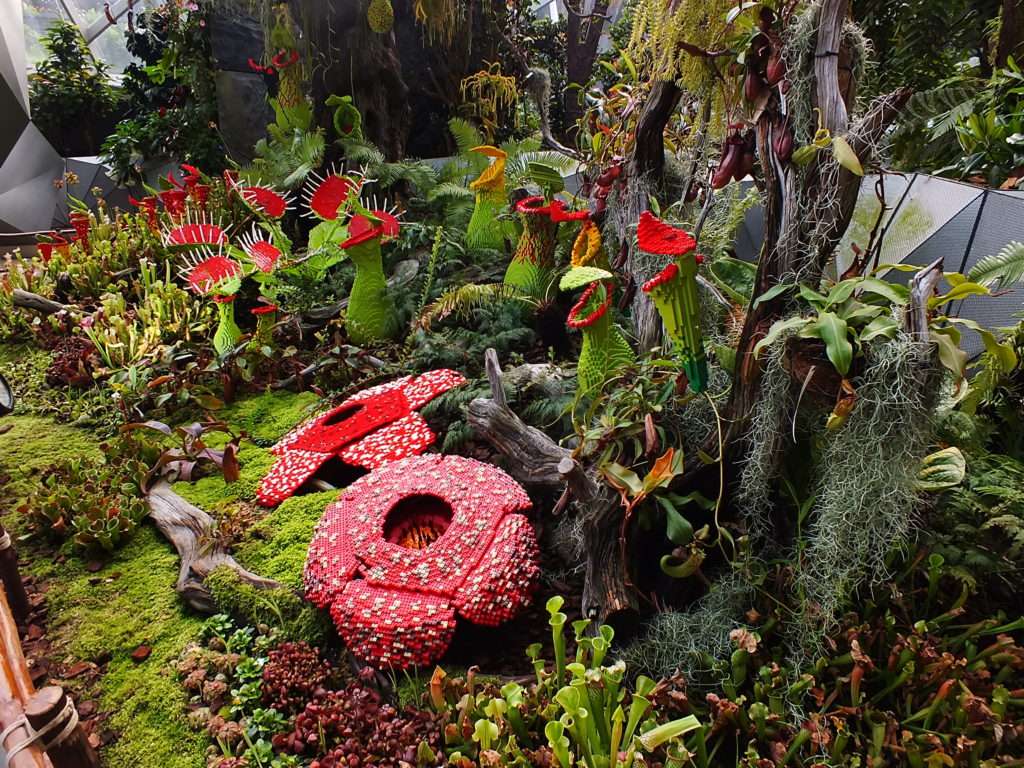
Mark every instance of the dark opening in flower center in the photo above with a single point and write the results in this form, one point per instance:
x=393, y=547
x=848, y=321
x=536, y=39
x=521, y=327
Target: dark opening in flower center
x=344, y=414
x=417, y=521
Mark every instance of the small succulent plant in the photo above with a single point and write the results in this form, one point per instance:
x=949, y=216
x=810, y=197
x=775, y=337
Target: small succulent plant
x=97, y=504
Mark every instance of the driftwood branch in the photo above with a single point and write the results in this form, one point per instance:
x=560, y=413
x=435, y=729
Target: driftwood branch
x=29, y=300
x=190, y=530
x=537, y=461
x=922, y=288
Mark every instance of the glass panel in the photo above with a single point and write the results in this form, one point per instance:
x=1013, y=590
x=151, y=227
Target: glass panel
x=39, y=15
x=110, y=48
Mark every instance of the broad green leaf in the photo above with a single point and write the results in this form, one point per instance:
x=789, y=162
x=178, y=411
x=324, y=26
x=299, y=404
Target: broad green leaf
x=833, y=331
x=842, y=291
x=961, y=291
x=950, y=354
x=546, y=177
x=773, y=292
x=734, y=277
x=846, y=157
x=623, y=478
x=1003, y=353
x=897, y=294
x=327, y=233
x=812, y=297
x=941, y=470
x=577, y=277
x=883, y=326
x=780, y=327
x=677, y=528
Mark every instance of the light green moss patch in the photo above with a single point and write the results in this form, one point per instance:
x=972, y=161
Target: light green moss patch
x=270, y=415
x=31, y=445
x=278, y=548
x=131, y=602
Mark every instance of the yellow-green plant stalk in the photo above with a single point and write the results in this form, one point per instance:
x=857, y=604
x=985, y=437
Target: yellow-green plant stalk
x=486, y=228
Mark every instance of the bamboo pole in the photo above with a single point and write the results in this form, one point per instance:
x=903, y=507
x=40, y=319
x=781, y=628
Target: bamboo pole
x=15, y=690
x=17, y=600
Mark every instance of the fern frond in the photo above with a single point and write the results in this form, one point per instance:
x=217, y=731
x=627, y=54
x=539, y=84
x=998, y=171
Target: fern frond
x=1002, y=270
x=518, y=167
x=449, y=192
x=466, y=135
x=1013, y=527
x=462, y=301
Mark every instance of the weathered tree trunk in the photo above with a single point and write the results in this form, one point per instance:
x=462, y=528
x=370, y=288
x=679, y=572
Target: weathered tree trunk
x=190, y=530
x=582, y=34
x=537, y=461
x=353, y=60
x=1011, y=32
x=807, y=210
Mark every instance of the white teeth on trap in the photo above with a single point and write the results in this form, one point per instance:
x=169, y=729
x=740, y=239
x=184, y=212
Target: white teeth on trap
x=190, y=231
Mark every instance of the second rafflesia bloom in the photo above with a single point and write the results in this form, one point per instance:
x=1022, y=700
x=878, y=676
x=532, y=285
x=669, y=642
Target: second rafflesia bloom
x=366, y=431
x=409, y=547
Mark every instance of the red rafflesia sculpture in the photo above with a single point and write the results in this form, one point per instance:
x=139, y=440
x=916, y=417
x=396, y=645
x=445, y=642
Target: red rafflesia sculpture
x=411, y=545
x=368, y=430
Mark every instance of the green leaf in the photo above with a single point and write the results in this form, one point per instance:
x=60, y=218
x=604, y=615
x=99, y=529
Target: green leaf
x=896, y=294
x=1002, y=270
x=623, y=478
x=577, y=277
x=961, y=291
x=546, y=177
x=677, y=528
x=842, y=291
x=773, y=292
x=941, y=470
x=845, y=156
x=1004, y=354
x=833, y=331
x=883, y=326
x=734, y=277
x=812, y=297
x=950, y=354
x=780, y=327
x=327, y=233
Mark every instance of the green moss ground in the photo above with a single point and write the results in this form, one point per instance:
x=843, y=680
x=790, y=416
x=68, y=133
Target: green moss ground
x=131, y=601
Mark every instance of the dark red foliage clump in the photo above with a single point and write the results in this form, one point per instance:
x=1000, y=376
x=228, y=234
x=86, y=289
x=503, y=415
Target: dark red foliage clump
x=356, y=727
x=293, y=674
x=72, y=363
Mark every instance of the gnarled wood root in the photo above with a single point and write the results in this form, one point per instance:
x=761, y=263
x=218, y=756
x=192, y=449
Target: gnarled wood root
x=536, y=460
x=189, y=529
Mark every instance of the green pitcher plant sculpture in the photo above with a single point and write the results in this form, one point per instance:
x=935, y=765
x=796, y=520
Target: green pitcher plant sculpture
x=674, y=291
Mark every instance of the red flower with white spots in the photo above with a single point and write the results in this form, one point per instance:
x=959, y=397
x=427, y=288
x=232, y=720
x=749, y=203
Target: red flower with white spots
x=370, y=429
x=411, y=545
x=264, y=200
